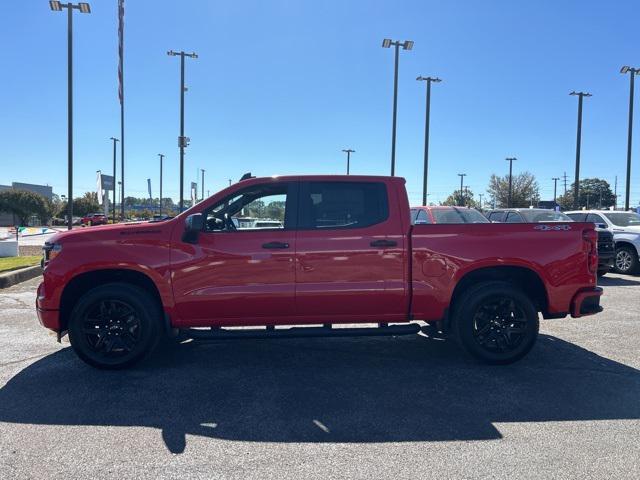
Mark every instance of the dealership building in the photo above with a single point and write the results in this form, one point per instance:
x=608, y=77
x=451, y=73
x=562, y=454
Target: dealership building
x=6, y=219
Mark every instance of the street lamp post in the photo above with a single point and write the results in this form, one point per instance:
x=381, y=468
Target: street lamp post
x=348, y=151
x=56, y=6
x=406, y=45
x=115, y=140
x=182, y=140
x=121, y=200
x=429, y=80
x=576, y=185
x=555, y=188
x=160, y=202
x=461, y=175
x=633, y=72
x=480, y=195
x=510, y=160
x=202, y=183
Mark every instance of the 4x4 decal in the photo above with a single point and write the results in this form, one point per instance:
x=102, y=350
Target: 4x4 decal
x=546, y=228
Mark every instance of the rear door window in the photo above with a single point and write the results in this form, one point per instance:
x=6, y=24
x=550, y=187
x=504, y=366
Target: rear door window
x=514, y=217
x=329, y=205
x=422, y=218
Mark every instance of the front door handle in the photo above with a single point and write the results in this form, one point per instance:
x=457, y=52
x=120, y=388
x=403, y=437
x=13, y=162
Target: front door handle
x=275, y=245
x=384, y=243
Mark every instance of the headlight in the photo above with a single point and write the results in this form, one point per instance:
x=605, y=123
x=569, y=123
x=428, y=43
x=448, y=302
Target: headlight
x=50, y=251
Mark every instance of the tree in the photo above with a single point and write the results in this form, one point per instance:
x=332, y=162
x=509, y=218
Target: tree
x=524, y=190
x=23, y=205
x=467, y=197
x=594, y=193
x=86, y=204
x=275, y=210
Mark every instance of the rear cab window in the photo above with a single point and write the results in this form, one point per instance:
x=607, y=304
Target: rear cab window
x=342, y=205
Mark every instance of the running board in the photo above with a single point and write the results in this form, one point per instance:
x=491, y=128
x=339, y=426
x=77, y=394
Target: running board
x=300, y=332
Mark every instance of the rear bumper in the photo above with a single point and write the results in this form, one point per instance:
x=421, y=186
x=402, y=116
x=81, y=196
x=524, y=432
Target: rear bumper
x=586, y=302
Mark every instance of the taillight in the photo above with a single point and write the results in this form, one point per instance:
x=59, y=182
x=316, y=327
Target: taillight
x=591, y=240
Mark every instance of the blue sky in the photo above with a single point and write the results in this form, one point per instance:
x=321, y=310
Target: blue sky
x=281, y=87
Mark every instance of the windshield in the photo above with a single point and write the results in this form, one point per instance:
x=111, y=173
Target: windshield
x=538, y=216
x=458, y=215
x=624, y=219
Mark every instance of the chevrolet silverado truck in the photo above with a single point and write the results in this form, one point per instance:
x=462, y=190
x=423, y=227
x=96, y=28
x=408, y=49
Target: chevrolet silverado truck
x=345, y=253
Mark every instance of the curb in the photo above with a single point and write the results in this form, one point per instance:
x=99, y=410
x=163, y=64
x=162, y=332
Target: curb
x=16, y=276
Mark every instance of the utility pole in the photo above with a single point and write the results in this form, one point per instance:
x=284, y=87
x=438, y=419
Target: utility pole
x=229, y=182
x=461, y=175
x=633, y=72
x=510, y=160
x=202, y=184
x=480, y=195
x=182, y=140
x=115, y=140
x=565, y=182
x=161, y=157
x=429, y=81
x=576, y=185
x=56, y=6
x=348, y=151
x=555, y=188
x=406, y=45
x=615, y=194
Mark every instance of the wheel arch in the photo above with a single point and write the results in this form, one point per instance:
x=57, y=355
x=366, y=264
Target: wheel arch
x=524, y=278
x=84, y=282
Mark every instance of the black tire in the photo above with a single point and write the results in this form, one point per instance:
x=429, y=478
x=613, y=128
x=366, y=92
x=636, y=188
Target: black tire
x=602, y=273
x=115, y=325
x=626, y=260
x=495, y=323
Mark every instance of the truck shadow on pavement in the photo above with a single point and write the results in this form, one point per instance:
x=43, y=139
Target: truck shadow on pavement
x=324, y=390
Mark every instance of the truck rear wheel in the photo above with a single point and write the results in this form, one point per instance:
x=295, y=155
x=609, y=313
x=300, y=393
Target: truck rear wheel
x=115, y=325
x=495, y=323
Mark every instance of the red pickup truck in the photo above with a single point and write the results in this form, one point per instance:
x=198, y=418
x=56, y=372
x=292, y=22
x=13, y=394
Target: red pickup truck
x=345, y=252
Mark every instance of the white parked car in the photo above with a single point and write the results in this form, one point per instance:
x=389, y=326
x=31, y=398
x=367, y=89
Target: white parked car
x=625, y=227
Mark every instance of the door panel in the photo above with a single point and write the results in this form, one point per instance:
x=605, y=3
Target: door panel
x=238, y=272
x=341, y=272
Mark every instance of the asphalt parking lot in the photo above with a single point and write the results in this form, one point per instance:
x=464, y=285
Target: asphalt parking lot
x=407, y=407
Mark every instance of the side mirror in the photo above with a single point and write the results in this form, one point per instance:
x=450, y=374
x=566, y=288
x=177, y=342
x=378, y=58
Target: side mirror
x=193, y=225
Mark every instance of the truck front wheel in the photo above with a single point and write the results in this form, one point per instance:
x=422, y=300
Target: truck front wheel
x=495, y=322
x=115, y=325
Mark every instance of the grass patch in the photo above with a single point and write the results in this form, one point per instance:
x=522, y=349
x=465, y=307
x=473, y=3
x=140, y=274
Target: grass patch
x=13, y=263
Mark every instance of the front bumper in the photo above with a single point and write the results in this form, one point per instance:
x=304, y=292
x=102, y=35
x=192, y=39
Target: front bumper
x=49, y=318
x=586, y=302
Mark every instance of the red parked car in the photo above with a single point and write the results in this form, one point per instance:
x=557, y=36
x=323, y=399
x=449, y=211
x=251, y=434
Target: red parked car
x=345, y=253
x=94, y=219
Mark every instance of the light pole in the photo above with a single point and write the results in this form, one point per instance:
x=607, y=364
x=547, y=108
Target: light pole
x=115, y=140
x=406, y=45
x=461, y=175
x=480, y=195
x=510, y=160
x=202, y=183
x=555, y=188
x=56, y=6
x=348, y=151
x=182, y=140
x=429, y=80
x=160, y=202
x=121, y=200
x=633, y=72
x=576, y=185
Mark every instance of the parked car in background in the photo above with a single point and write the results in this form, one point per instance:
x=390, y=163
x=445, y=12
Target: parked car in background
x=94, y=219
x=526, y=215
x=625, y=228
x=446, y=214
x=606, y=247
x=540, y=215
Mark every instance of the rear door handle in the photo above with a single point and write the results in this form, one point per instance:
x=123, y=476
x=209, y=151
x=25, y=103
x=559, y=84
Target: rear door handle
x=275, y=245
x=384, y=243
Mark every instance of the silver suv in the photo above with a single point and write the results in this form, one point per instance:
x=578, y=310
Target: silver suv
x=625, y=227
